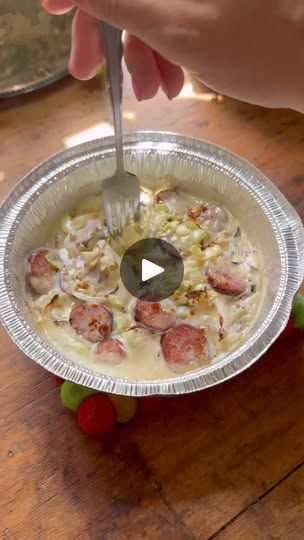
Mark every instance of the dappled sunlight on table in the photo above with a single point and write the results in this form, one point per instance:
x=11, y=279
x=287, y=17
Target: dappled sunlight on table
x=188, y=92
x=103, y=129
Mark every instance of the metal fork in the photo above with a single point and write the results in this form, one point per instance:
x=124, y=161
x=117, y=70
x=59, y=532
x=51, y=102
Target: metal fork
x=120, y=191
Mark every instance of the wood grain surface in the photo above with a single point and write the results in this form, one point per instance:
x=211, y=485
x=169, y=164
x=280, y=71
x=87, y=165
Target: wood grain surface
x=226, y=463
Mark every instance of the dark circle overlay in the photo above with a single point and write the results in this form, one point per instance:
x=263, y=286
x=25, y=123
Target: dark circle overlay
x=158, y=252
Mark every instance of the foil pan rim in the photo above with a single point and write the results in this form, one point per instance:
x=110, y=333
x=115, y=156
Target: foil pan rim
x=281, y=217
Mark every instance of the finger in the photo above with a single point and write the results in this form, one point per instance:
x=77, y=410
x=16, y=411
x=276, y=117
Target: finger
x=172, y=76
x=58, y=7
x=142, y=66
x=87, y=47
x=146, y=19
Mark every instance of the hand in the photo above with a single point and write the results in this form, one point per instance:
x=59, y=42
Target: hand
x=149, y=70
x=249, y=49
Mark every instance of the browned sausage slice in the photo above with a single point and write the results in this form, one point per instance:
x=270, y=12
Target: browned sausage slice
x=92, y=321
x=41, y=273
x=165, y=196
x=39, y=265
x=110, y=346
x=178, y=202
x=184, y=345
x=222, y=277
x=152, y=315
x=211, y=216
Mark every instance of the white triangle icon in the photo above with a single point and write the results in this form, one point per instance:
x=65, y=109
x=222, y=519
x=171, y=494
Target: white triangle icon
x=150, y=270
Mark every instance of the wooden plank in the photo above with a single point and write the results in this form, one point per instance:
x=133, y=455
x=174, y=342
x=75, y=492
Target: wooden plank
x=223, y=447
x=278, y=515
x=187, y=471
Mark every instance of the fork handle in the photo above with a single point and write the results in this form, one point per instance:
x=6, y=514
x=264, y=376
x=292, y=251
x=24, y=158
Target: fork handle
x=113, y=52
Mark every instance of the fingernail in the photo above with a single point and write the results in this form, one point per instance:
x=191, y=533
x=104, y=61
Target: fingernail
x=136, y=89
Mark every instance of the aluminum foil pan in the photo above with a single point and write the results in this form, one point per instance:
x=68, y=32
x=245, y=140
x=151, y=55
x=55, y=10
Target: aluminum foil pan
x=200, y=167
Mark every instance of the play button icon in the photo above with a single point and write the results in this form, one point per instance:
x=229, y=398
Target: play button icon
x=152, y=269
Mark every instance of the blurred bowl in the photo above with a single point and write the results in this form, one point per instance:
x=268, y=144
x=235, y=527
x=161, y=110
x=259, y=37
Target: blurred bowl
x=34, y=46
x=203, y=169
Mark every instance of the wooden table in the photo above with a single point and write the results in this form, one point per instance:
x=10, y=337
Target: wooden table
x=226, y=463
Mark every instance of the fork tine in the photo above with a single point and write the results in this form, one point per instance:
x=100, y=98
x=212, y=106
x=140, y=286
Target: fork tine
x=126, y=212
x=109, y=220
x=136, y=207
x=118, y=216
x=121, y=202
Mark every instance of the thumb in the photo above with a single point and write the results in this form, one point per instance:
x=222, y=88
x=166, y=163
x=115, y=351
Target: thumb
x=136, y=16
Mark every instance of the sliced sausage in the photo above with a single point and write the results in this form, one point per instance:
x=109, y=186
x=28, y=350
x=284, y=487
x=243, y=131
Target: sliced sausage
x=222, y=277
x=211, y=216
x=41, y=274
x=176, y=200
x=184, y=345
x=165, y=196
x=39, y=265
x=111, y=351
x=110, y=346
x=92, y=321
x=152, y=315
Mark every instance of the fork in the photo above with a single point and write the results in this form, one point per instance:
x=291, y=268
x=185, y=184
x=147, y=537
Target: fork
x=120, y=191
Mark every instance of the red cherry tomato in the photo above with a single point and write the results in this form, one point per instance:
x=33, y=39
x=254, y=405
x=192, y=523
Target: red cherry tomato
x=96, y=414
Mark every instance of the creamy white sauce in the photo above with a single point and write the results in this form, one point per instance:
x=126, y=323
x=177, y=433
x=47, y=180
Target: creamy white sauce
x=144, y=359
